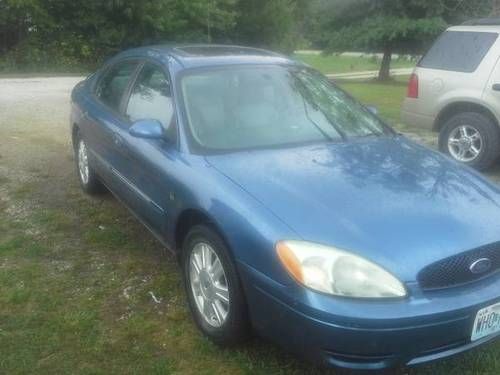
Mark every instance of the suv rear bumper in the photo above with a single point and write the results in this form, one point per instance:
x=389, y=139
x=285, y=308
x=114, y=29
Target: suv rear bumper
x=417, y=120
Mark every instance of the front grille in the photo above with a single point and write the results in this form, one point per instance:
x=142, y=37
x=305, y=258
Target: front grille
x=455, y=270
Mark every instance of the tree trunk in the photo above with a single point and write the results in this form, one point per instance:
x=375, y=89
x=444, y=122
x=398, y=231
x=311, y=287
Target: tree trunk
x=385, y=69
x=495, y=12
x=209, y=33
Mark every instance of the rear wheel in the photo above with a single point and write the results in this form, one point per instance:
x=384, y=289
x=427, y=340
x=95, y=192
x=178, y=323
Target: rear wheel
x=213, y=287
x=471, y=138
x=89, y=181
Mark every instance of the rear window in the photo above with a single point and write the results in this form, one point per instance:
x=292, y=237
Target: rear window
x=458, y=51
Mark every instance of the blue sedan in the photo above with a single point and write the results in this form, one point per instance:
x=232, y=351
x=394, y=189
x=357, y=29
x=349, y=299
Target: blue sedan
x=295, y=211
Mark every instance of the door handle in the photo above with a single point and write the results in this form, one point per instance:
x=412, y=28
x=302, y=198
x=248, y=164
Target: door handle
x=88, y=116
x=117, y=140
x=496, y=87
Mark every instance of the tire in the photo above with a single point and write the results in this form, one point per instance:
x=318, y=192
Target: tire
x=224, y=330
x=482, y=135
x=89, y=181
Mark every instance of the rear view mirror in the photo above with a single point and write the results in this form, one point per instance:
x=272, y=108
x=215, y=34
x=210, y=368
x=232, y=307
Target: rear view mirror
x=149, y=129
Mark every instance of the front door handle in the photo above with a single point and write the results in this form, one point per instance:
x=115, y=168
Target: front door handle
x=117, y=140
x=496, y=87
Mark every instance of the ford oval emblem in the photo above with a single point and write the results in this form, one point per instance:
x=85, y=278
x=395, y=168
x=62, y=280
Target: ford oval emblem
x=482, y=265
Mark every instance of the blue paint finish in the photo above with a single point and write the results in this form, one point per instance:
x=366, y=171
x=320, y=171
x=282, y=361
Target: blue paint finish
x=149, y=129
x=386, y=198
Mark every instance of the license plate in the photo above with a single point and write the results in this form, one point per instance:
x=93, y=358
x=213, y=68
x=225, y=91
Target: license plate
x=487, y=322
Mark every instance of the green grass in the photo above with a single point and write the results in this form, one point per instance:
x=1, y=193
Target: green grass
x=76, y=275
x=345, y=64
x=324, y=63
x=387, y=97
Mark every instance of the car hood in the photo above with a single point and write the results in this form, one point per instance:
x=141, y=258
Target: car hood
x=388, y=199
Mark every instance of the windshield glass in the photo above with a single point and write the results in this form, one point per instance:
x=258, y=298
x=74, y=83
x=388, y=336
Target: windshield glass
x=249, y=107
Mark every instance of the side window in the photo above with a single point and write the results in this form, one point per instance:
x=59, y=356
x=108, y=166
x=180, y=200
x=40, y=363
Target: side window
x=458, y=51
x=151, y=97
x=112, y=86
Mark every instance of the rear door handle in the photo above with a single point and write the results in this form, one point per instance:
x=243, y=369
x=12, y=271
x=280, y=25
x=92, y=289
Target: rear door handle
x=89, y=117
x=496, y=87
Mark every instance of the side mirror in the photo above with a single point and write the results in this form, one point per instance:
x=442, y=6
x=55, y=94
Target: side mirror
x=149, y=129
x=372, y=109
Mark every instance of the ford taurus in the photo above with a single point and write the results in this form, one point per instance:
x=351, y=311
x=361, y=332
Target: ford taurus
x=295, y=211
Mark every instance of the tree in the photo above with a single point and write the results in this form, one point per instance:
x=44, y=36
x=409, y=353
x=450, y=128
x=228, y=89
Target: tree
x=51, y=33
x=269, y=23
x=495, y=11
x=320, y=18
x=16, y=18
x=404, y=26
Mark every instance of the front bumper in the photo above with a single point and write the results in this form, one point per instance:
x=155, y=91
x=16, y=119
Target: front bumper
x=374, y=335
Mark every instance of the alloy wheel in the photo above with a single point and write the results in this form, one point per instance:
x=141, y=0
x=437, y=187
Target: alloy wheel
x=83, y=162
x=465, y=143
x=209, y=284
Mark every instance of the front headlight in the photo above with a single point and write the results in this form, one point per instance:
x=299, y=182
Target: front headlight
x=337, y=272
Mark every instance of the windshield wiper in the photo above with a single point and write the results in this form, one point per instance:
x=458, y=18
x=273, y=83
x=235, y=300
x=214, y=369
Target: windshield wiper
x=318, y=108
x=314, y=122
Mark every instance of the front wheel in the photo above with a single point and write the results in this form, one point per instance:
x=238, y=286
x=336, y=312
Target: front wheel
x=471, y=138
x=213, y=287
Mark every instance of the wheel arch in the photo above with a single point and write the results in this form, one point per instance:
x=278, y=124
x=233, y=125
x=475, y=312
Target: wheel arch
x=189, y=218
x=459, y=107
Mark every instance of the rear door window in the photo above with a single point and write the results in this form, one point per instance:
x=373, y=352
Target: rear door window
x=458, y=51
x=112, y=85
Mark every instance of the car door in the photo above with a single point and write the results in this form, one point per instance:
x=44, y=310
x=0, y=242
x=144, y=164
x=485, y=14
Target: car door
x=491, y=93
x=105, y=122
x=151, y=162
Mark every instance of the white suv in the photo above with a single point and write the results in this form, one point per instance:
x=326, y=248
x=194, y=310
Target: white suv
x=455, y=89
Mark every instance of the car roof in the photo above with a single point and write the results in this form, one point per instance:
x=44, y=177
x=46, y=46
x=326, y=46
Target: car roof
x=476, y=28
x=204, y=55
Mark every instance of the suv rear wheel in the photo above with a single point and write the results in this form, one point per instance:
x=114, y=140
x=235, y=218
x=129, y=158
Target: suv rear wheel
x=471, y=138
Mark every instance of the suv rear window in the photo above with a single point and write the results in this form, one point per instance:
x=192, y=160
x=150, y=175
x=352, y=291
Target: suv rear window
x=458, y=51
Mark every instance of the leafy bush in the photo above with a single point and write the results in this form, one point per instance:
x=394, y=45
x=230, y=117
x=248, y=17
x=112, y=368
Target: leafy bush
x=66, y=35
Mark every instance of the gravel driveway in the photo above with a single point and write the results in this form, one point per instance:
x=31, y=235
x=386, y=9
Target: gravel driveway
x=34, y=133
x=32, y=107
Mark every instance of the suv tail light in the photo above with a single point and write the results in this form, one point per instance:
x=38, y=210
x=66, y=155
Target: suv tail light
x=413, y=86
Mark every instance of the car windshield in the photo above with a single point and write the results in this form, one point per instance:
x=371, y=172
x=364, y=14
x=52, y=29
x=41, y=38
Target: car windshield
x=267, y=106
